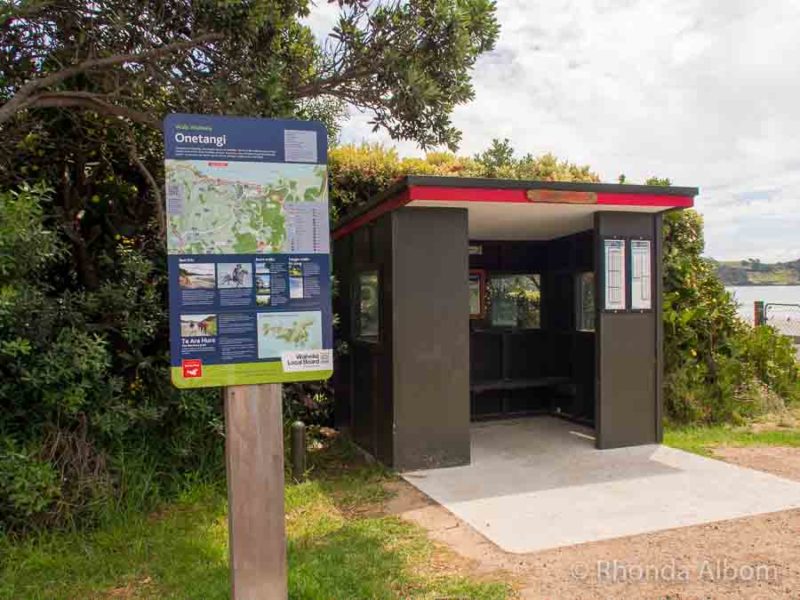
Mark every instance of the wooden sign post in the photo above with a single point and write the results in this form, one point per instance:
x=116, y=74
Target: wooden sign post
x=254, y=461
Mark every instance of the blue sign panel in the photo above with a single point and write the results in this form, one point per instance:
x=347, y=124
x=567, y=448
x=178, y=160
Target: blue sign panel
x=248, y=250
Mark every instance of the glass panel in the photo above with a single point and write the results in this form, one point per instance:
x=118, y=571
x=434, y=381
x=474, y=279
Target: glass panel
x=615, y=274
x=586, y=302
x=640, y=275
x=368, y=317
x=515, y=301
x=476, y=295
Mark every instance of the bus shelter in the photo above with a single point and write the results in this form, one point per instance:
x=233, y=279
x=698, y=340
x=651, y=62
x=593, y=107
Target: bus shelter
x=464, y=299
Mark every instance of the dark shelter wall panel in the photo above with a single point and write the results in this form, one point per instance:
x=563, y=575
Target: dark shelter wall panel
x=382, y=248
x=583, y=376
x=431, y=338
x=363, y=405
x=342, y=380
x=558, y=296
x=486, y=353
x=363, y=376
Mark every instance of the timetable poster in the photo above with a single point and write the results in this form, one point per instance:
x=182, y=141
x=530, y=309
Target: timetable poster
x=641, y=280
x=614, y=276
x=248, y=250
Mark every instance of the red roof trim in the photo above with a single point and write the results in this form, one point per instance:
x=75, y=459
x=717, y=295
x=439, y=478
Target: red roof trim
x=502, y=196
x=455, y=194
x=452, y=194
x=388, y=205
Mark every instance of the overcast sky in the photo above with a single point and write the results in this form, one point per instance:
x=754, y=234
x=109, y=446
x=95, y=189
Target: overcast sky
x=705, y=92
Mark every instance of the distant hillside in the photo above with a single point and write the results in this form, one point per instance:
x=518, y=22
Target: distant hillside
x=754, y=272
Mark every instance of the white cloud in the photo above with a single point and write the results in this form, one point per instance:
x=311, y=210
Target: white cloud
x=322, y=18
x=702, y=91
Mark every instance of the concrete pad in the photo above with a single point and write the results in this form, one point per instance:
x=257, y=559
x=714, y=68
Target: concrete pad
x=540, y=483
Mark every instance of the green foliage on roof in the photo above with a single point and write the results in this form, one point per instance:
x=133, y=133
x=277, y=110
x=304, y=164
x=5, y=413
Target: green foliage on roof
x=359, y=173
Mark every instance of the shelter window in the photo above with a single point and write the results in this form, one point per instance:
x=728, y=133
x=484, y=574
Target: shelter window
x=367, y=304
x=477, y=294
x=585, y=300
x=515, y=301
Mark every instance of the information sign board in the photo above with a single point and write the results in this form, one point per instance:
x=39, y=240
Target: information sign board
x=248, y=245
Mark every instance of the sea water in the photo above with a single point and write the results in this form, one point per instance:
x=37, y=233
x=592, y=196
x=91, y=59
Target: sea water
x=746, y=296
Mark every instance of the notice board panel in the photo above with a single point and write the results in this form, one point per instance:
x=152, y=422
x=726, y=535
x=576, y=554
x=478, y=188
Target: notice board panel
x=641, y=279
x=614, y=275
x=248, y=250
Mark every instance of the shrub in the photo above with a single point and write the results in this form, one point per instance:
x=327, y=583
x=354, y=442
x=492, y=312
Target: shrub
x=773, y=360
x=83, y=376
x=28, y=486
x=717, y=367
x=358, y=173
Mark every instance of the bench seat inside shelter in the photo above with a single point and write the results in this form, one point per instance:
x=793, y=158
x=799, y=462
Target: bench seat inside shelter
x=476, y=387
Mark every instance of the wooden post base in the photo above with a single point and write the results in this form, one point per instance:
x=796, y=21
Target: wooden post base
x=256, y=525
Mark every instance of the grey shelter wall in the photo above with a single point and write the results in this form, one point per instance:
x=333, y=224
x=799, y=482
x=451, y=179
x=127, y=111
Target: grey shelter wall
x=405, y=396
x=629, y=362
x=431, y=338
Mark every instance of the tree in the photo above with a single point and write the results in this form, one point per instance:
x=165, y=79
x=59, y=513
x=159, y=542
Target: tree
x=406, y=62
x=500, y=160
x=84, y=87
x=500, y=154
x=659, y=181
x=717, y=369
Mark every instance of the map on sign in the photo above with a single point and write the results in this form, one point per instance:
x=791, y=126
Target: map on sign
x=246, y=208
x=281, y=332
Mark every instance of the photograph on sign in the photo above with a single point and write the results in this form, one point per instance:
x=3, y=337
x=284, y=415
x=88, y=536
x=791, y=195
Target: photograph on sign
x=248, y=244
x=197, y=276
x=614, y=254
x=641, y=281
x=234, y=275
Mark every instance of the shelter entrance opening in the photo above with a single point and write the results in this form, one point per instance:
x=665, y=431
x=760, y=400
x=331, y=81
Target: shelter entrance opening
x=531, y=344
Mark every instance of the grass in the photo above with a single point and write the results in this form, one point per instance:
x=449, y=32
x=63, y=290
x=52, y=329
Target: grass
x=340, y=546
x=702, y=440
x=179, y=552
x=780, y=430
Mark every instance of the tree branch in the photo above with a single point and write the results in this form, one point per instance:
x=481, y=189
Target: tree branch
x=26, y=95
x=90, y=101
x=158, y=202
x=328, y=85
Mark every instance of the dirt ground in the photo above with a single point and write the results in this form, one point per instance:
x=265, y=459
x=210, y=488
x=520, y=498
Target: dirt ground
x=784, y=462
x=755, y=557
